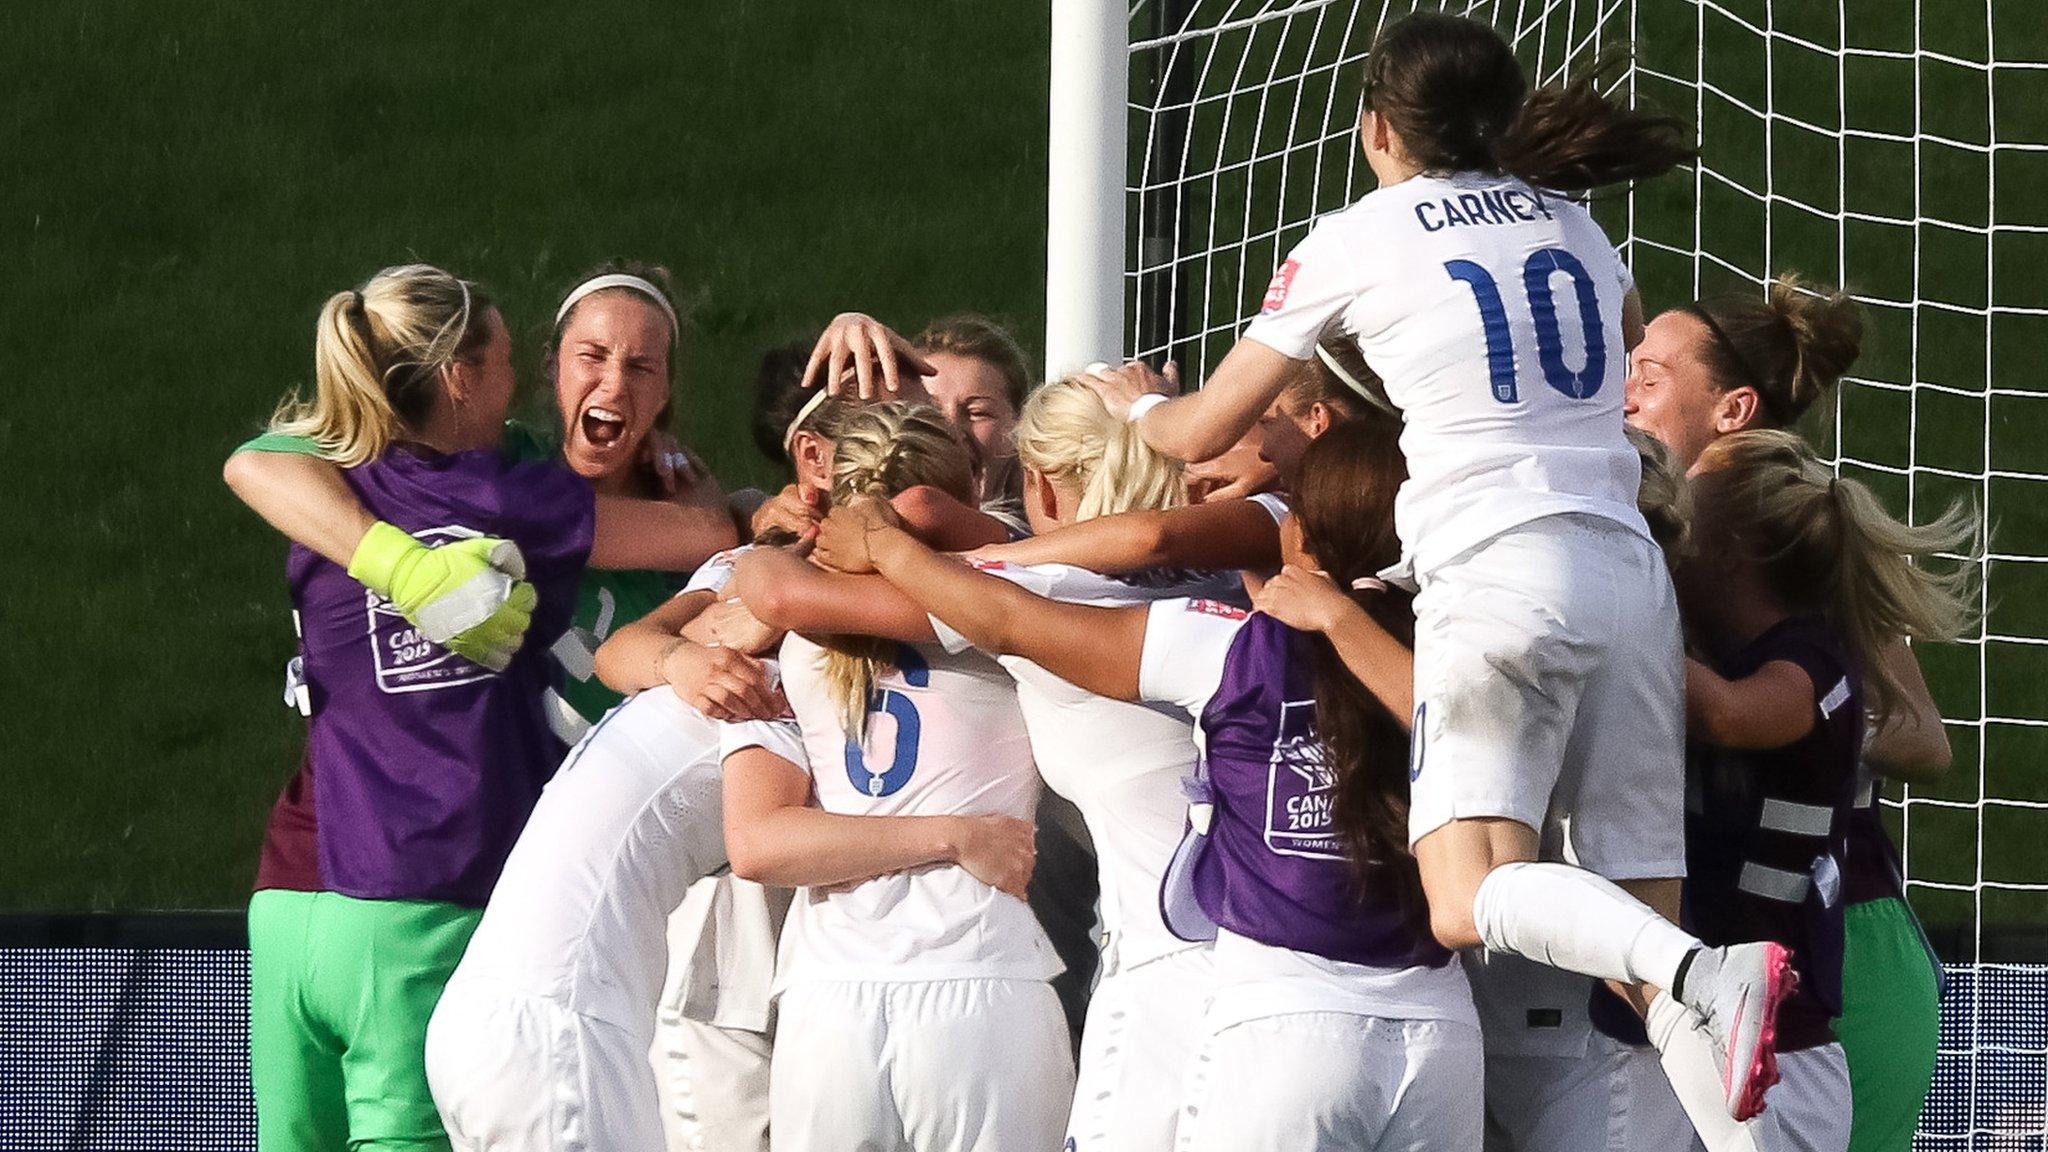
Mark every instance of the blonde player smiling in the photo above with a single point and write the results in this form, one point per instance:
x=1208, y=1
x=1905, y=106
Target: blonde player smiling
x=1121, y=764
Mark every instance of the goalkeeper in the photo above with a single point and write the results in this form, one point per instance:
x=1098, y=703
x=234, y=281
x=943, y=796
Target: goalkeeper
x=428, y=760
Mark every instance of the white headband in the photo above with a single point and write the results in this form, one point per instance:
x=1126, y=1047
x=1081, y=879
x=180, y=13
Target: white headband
x=1352, y=382
x=620, y=280
x=816, y=401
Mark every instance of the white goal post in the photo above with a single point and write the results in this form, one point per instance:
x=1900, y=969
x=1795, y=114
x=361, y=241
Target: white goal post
x=1896, y=147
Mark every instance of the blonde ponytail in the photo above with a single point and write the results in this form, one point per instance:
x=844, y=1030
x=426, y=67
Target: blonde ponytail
x=1663, y=498
x=1825, y=543
x=377, y=357
x=1065, y=433
x=882, y=450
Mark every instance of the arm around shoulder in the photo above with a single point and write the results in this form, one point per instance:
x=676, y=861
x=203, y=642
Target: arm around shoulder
x=661, y=535
x=1768, y=708
x=302, y=496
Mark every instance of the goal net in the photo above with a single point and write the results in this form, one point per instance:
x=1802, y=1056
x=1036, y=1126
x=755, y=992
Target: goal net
x=1897, y=147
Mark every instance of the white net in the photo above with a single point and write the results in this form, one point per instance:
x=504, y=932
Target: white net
x=1897, y=147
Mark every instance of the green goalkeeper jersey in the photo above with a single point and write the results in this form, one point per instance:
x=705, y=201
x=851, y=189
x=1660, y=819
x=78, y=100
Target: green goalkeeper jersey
x=606, y=601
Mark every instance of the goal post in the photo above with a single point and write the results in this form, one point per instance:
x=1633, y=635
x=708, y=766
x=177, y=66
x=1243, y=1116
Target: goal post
x=1084, y=248
x=1898, y=148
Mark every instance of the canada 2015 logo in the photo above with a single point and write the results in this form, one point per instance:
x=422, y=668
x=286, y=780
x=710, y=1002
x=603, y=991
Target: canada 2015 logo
x=402, y=658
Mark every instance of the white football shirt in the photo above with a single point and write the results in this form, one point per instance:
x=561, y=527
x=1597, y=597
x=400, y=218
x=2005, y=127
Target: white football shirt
x=1121, y=764
x=633, y=816
x=944, y=737
x=1493, y=312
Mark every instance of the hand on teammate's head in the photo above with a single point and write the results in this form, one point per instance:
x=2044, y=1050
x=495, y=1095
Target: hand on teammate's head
x=1121, y=387
x=859, y=354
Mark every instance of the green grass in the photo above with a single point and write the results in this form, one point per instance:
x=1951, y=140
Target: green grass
x=182, y=182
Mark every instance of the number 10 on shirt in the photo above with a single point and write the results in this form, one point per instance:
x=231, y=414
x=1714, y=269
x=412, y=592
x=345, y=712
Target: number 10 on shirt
x=1500, y=348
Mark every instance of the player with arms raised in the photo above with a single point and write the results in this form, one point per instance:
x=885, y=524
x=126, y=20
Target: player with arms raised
x=1547, y=674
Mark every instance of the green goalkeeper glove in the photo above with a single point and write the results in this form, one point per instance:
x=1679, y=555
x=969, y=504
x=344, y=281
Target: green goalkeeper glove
x=469, y=596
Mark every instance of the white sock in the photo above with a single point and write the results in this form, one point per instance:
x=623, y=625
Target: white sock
x=1569, y=918
x=1687, y=1054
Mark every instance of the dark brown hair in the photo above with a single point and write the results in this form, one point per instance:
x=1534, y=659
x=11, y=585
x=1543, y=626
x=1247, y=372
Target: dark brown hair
x=1452, y=89
x=1344, y=500
x=779, y=394
x=1791, y=346
x=980, y=338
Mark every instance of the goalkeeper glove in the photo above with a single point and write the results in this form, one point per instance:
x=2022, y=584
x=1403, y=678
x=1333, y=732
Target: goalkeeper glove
x=469, y=596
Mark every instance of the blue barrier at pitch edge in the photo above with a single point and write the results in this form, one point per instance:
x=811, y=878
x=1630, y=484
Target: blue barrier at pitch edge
x=146, y=1049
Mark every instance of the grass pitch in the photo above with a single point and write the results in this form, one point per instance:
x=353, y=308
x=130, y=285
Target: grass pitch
x=185, y=181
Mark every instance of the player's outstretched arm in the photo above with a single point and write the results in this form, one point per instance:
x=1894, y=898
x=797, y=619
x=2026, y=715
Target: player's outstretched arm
x=1912, y=744
x=469, y=596
x=950, y=525
x=1312, y=602
x=784, y=590
x=1201, y=425
x=660, y=648
x=1225, y=535
x=630, y=659
x=773, y=836
x=1769, y=708
x=663, y=535
x=1094, y=648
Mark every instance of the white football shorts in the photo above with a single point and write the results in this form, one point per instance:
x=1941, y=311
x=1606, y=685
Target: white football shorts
x=517, y=1073
x=714, y=1084
x=967, y=1065
x=1142, y=1025
x=1334, y=1082
x=1550, y=690
x=1614, y=1098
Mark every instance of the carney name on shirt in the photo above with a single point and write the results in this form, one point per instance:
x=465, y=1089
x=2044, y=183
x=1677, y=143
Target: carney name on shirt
x=1491, y=206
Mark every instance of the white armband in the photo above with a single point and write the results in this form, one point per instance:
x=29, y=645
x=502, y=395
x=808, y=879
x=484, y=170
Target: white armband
x=1144, y=404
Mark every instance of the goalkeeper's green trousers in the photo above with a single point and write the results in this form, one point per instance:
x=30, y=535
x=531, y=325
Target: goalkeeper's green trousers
x=340, y=991
x=1889, y=1024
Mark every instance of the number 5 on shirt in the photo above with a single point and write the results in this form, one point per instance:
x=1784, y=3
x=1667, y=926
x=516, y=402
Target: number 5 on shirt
x=903, y=761
x=1500, y=349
